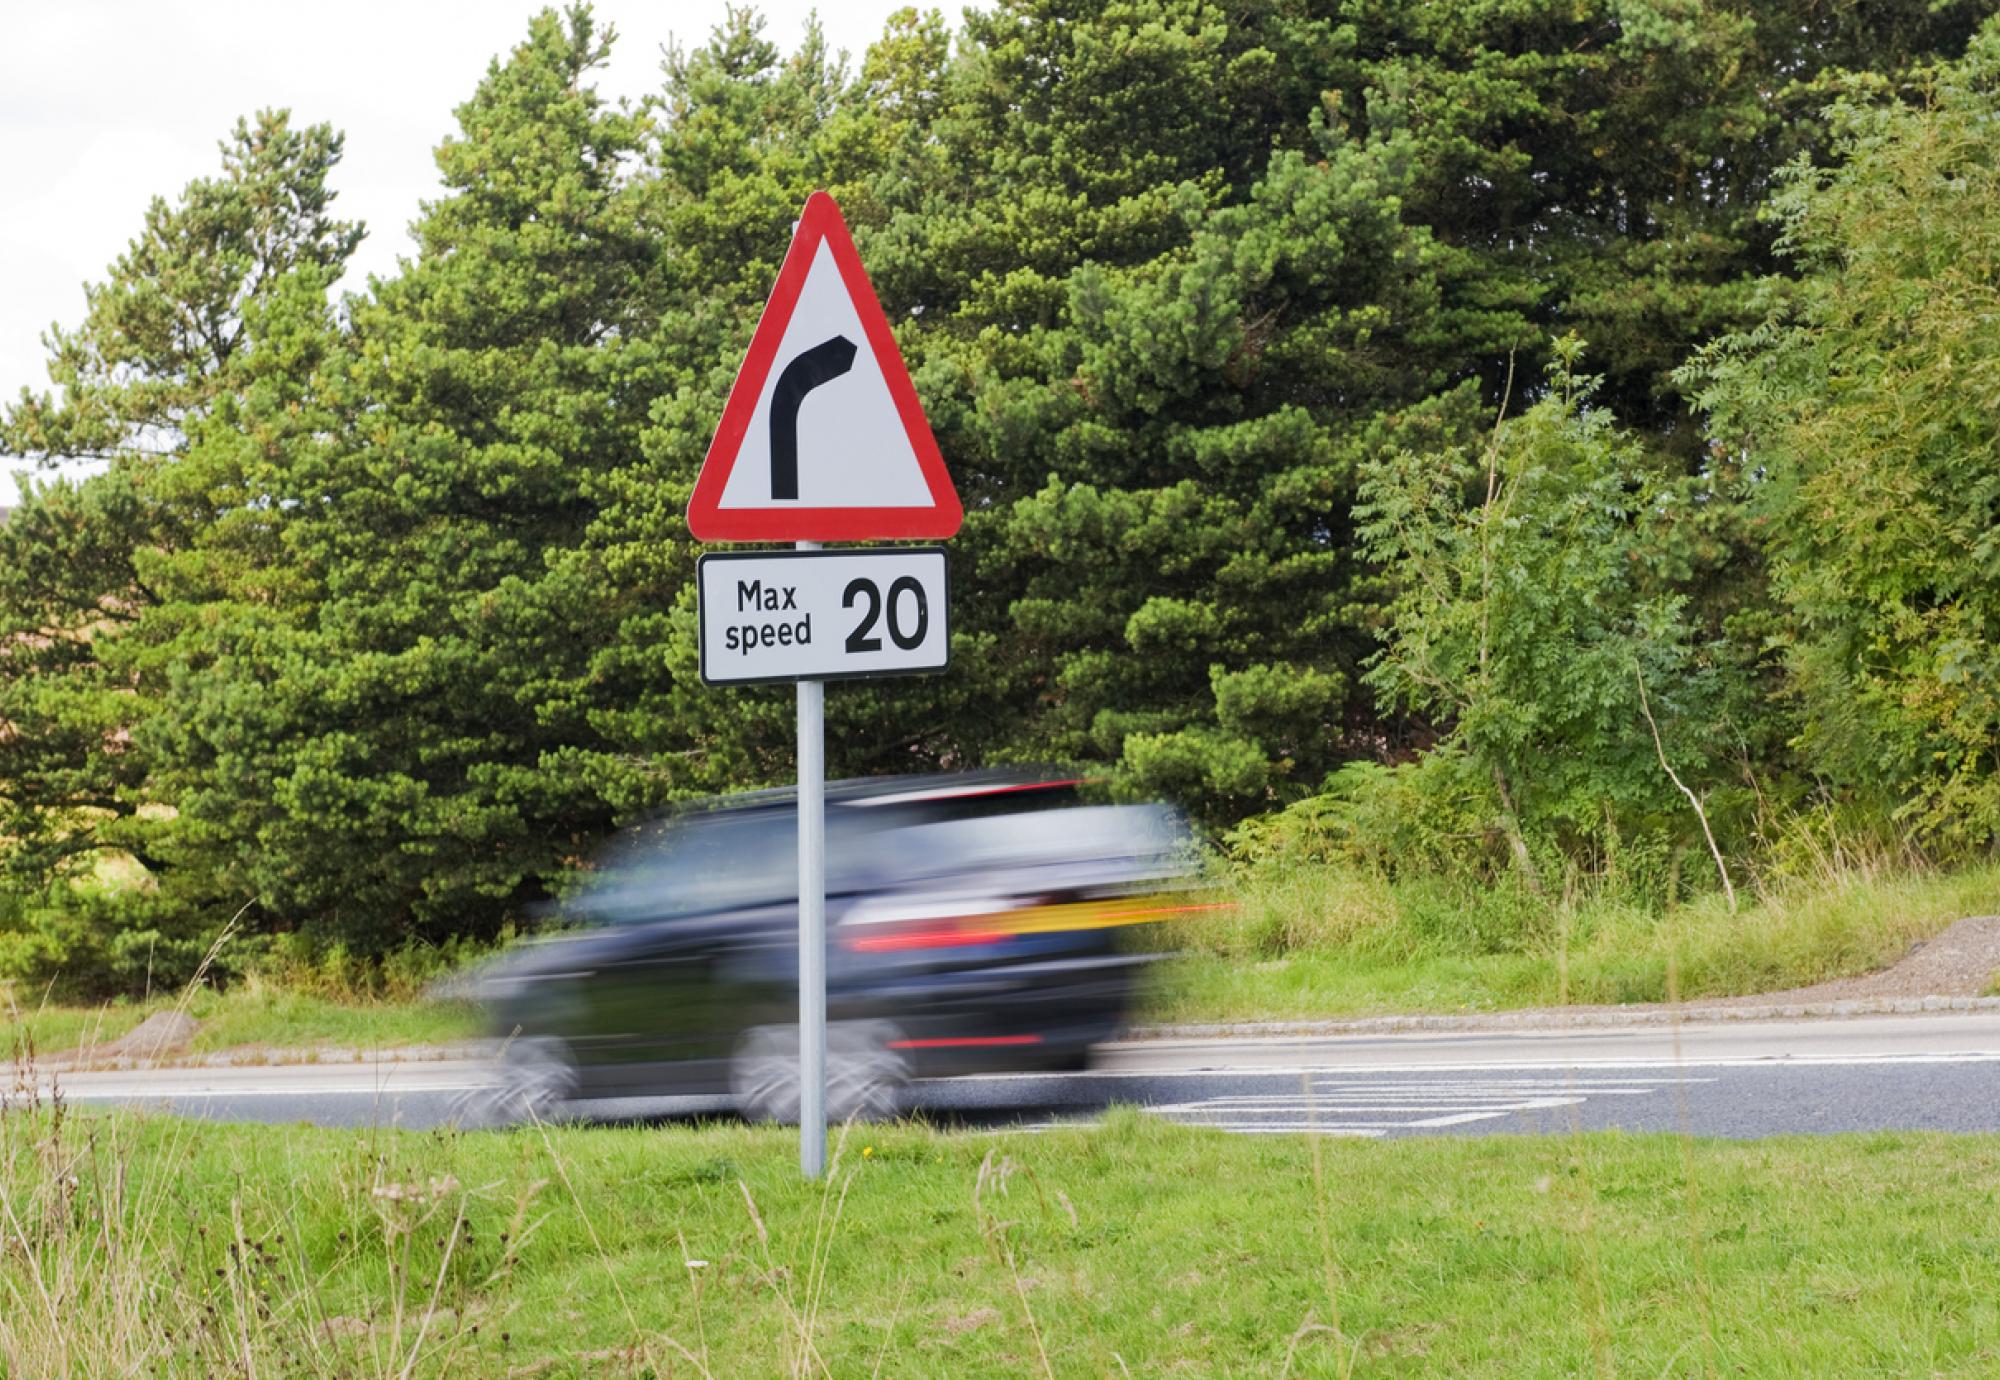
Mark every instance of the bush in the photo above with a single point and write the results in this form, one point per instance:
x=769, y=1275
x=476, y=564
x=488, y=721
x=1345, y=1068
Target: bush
x=1429, y=817
x=82, y=941
x=301, y=962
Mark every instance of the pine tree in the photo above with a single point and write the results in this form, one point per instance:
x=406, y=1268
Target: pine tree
x=168, y=348
x=420, y=751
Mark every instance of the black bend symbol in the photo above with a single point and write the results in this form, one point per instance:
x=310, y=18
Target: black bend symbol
x=823, y=363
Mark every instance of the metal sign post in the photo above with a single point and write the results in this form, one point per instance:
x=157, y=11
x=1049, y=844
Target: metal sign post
x=812, y=922
x=862, y=467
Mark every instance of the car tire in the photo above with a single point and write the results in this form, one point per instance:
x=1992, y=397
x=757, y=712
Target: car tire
x=865, y=1074
x=534, y=1080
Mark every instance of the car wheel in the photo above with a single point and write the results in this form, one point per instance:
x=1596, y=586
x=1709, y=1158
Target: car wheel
x=865, y=1076
x=534, y=1080
x=865, y=1073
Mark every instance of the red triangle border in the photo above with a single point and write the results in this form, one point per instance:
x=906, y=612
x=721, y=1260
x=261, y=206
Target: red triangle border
x=709, y=522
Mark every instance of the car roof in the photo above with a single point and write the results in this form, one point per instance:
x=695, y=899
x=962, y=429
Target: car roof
x=908, y=789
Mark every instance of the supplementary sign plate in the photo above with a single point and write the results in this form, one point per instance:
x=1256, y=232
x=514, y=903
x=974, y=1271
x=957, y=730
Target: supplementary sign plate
x=821, y=615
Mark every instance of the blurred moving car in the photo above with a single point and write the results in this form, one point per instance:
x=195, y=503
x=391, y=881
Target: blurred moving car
x=975, y=923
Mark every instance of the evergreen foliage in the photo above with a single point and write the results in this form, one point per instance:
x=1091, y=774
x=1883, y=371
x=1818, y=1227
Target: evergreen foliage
x=109, y=584
x=381, y=614
x=418, y=726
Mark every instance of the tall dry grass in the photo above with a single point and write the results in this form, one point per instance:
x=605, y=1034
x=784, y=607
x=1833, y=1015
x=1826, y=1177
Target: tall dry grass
x=1820, y=903
x=104, y=1263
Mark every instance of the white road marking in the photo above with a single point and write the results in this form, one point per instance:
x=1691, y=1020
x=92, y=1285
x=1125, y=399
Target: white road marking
x=1307, y=1105
x=1531, y=1065
x=1292, y=1128
x=127, y=1093
x=1463, y=1117
x=1252, y=1128
x=1335, y=1106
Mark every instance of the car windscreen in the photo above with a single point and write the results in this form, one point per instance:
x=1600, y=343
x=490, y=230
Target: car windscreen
x=700, y=864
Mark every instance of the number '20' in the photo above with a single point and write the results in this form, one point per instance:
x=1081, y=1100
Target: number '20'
x=905, y=636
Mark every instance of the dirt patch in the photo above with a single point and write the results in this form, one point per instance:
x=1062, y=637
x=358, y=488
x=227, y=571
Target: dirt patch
x=972, y=1322
x=1414, y=1340
x=621, y=1356
x=1960, y=962
x=161, y=1035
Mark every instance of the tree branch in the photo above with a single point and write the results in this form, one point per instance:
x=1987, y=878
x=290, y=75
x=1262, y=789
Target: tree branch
x=1699, y=813
x=1486, y=521
x=1510, y=825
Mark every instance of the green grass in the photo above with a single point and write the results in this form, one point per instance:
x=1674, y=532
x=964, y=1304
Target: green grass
x=255, y=1014
x=161, y=1247
x=1316, y=942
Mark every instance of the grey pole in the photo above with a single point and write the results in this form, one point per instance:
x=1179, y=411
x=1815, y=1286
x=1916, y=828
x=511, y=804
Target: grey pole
x=812, y=922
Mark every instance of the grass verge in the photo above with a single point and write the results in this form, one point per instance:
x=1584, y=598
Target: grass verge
x=1317, y=942
x=137, y=1245
x=253, y=1014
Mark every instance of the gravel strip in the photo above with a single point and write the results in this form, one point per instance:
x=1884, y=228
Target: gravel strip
x=1569, y=1018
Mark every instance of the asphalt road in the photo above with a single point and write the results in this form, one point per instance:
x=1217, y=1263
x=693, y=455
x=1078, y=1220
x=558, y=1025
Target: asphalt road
x=1934, y=1072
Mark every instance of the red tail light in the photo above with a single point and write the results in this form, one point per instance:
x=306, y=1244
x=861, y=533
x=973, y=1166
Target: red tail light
x=967, y=1042
x=949, y=937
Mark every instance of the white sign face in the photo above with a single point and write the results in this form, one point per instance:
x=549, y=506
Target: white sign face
x=821, y=615
x=843, y=419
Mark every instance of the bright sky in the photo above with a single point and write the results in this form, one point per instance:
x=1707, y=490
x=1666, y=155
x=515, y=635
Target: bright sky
x=107, y=103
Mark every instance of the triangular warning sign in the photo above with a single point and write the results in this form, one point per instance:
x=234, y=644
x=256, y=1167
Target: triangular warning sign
x=823, y=438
